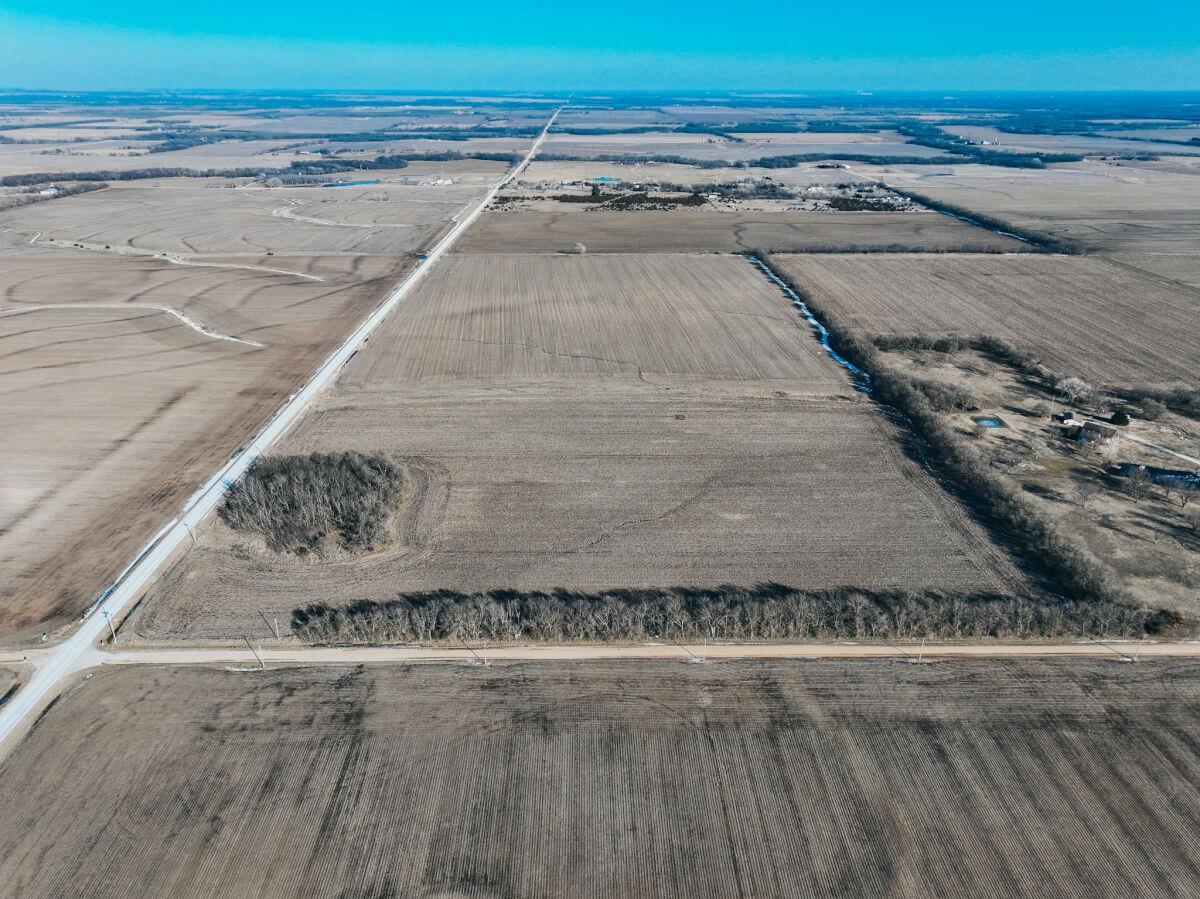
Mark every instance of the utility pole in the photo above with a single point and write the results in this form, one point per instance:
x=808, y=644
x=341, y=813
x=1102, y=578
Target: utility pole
x=261, y=663
x=693, y=656
x=111, y=630
x=482, y=661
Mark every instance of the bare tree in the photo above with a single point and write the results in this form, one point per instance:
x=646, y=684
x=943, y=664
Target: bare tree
x=1152, y=409
x=1188, y=492
x=314, y=503
x=1076, y=390
x=766, y=612
x=1138, y=483
x=1088, y=491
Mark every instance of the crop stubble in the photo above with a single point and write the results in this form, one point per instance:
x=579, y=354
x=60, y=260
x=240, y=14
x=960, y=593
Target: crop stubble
x=1088, y=317
x=824, y=778
x=1131, y=207
x=196, y=218
x=711, y=231
x=145, y=407
x=750, y=146
x=598, y=422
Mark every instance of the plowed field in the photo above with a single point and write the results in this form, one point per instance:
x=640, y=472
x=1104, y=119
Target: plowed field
x=597, y=422
x=116, y=409
x=809, y=779
x=1088, y=317
x=709, y=231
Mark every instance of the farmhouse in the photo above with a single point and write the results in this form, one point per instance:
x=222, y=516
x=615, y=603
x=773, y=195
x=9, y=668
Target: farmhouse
x=1095, y=434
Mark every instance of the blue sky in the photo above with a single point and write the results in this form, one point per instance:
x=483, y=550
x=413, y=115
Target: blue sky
x=1058, y=44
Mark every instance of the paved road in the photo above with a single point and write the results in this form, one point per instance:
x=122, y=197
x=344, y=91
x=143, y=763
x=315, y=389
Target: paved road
x=66, y=657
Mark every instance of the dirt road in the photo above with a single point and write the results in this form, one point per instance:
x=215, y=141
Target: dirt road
x=53, y=671
x=257, y=654
x=1193, y=460
x=331, y=655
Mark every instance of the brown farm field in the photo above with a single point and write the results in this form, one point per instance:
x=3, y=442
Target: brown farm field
x=1083, y=144
x=594, y=488
x=1129, y=207
x=116, y=409
x=1173, y=267
x=710, y=231
x=1087, y=317
x=797, y=177
x=259, y=141
x=122, y=395
x=372, y=148
x=202, y=217
x=595, y=422
x=750, y=146
x=638, y=318
x=809, y=779
x=114, y=154
x=9, y=679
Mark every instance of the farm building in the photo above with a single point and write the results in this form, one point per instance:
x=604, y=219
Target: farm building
x=1095, y=434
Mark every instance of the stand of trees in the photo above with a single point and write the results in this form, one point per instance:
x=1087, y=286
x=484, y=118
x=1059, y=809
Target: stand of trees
x=763, y=162
x=1063, y=566
x=315, y=503
x=31, y=198
x=932, y=136
x=995, y=348
x=690, y=614
x=889, y=248
x=634, y=158
x=1183, y=399
x=866, y=204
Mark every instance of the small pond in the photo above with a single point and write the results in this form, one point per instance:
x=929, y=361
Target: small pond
x=1167, y=476
x=989, y=421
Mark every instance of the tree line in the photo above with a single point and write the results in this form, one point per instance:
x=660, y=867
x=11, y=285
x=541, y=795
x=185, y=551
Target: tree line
x=69, y=191
x=1035, y=239
x=1062, y=565
x=324, y=165
x=931, y=136
x=690, y=614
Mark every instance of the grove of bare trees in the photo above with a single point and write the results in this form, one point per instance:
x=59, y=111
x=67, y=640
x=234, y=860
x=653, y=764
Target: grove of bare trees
x=316, y=503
